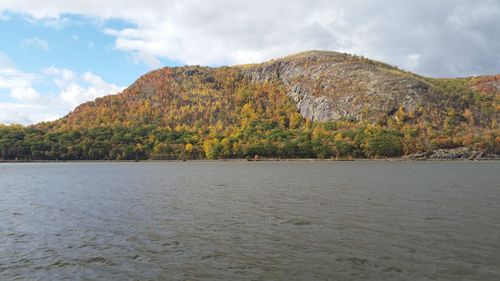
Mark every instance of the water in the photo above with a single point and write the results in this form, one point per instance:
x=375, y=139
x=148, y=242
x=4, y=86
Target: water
x=250, y=221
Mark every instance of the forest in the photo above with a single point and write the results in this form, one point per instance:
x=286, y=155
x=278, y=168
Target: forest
x=200, y=113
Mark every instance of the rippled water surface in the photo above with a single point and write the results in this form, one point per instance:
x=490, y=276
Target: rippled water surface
x=250, y=221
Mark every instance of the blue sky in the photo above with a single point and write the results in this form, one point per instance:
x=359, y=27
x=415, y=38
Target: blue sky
x=56, y=54
x=77, y=43
x=71, y=42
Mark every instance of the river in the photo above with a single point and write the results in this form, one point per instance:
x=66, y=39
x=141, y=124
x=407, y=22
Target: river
x=298, y=220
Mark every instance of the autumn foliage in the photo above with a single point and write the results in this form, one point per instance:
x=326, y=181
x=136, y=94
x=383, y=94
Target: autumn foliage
x=214, y=113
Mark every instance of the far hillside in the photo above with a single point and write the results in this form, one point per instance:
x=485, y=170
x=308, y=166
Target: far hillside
x=315, y=104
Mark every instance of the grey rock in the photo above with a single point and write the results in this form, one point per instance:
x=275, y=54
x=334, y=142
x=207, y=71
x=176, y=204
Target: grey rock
x=461, y=153
x=331, y=86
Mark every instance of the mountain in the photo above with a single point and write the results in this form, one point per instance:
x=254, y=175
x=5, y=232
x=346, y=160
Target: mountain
x=315, y=104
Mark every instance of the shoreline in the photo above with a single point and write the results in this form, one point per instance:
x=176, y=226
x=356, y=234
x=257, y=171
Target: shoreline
x=243, y=160
x=462, y=154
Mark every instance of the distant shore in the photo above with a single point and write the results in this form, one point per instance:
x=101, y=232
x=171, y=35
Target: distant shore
x=260, y=160
x=455, y=155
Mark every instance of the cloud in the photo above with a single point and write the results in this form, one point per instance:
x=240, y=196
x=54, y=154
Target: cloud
x=22, y=113
x=13, y=78
x=28, y=106
x=36, y=42
x=24, y=95
x=441, y=38
x=76, y=89
x=225, y=32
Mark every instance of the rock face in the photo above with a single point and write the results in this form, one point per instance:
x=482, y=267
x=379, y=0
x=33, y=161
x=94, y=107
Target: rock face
x=332, y=86
x=495, y=85
x=487, y=84
x=462, y=153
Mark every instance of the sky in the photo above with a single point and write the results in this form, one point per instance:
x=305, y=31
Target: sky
x=57, y=54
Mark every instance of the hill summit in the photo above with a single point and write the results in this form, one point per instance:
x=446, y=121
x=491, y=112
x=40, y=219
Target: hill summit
x=315, y=104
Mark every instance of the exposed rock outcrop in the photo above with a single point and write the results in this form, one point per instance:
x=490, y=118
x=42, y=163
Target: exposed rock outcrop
x=486, y=84
x=462, y=153
x=332, y=86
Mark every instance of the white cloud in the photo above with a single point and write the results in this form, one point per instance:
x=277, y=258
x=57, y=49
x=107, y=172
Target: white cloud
x=63, y=77
x=36, y=42
x=22, y=113
x=412, y=60
x=76, y=89
x=13, y=78
x=29, y=106
x=449, y=37
x=25, y=95
x=57, y=23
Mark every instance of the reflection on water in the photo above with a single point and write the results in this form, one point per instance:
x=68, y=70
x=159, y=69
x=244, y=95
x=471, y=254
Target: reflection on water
x=250, y=221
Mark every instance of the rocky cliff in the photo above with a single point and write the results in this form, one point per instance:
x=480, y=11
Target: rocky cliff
x=332, y=86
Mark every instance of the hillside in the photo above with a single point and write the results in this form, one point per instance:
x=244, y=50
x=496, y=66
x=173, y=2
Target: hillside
x=314, y=104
